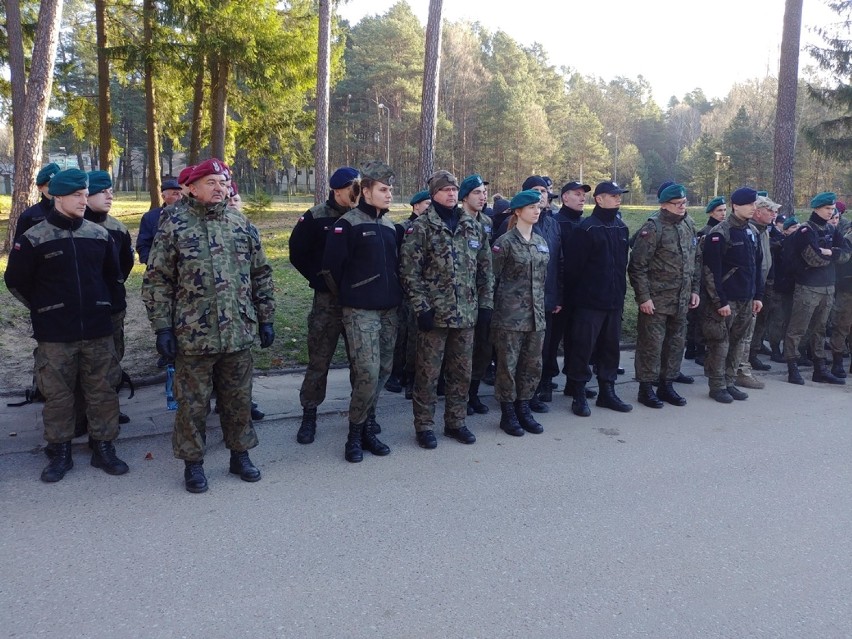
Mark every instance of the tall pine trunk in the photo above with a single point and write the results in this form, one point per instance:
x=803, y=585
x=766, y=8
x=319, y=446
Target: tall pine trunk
x=31, y=116
x=104, y=108
x=785, y=110
x=219, y=70
x=323, y=82
x=429, y=109
x=148, y=16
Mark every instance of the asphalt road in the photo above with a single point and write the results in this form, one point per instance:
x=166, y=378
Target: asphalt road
x=703, y=521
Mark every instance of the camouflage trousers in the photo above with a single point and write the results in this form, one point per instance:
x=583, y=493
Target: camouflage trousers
x=811, y=309
x=842, y=332
x=776, y=328
x=118, y=341
x=519, y=363
x=659, y=345
x=371, y=335
x=325, y=326
x=724, y=338
x=453, y=347
x=196, y=376
x=60, y=368
x=744, y=365
x=405, y=350
x=764, y=319
x=482, y=350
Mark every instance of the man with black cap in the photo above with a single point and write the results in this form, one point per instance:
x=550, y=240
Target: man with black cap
x=446, y=273
x=325, y=320
x=817, y=247
x=731, y=294
x=595, y=286
x=209, y=294
x=38, y=211
x=171, y=193
x=662, y=273
x=473, y=195
x=65, y=271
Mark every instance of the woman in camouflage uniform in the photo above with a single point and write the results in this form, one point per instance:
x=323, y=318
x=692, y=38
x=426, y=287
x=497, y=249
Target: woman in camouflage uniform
x=520, y=259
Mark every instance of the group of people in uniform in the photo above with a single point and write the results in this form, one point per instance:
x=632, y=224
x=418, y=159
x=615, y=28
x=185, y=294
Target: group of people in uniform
x=437, y=300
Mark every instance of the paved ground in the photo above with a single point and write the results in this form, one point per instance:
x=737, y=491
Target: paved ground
x=703, y=521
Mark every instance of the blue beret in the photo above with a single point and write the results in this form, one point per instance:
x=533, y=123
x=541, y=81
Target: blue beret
x=823, y=199
x=714, y=204
x=671, y=192
x=469, y=183
x=500, y=206
x=525, y=198
x=46, y=173
x=533, y=180
x=343, y=177
x=99, y=181
x=663, y=187
x=68, y=181
x=745, y=195
x=419, y=197
x=170, y=184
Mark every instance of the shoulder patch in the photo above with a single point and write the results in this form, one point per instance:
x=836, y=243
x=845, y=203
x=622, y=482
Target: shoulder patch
x=409, y=230
x=17, y=246
x=643, y=234
x=301, y=218
x=338, y=230
x=715, y=237
x=804, y=229
x=496, y=249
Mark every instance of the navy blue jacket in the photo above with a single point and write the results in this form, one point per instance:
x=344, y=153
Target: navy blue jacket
x=147, y=231
x=811, y=267
x=361, y=260
x=732, y=263
x=595, y=273
x=307, y=241
x=65, y=271
x=33, y=215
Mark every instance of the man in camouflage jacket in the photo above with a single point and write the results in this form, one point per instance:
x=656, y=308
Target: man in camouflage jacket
x=209, y=292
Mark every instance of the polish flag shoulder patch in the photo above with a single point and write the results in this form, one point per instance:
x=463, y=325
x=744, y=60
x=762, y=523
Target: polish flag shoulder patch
x=804, y=229
x=643, y=234
x=338, y=230
x=496, y=249
x=302, y=218
x=17, y=246
x=715, y=238
x=409, y=230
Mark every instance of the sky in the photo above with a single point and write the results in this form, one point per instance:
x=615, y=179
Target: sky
x=675, y=45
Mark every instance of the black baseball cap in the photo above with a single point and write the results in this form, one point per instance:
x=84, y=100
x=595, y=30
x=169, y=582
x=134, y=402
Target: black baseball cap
x=573, y=186
x=609, y=188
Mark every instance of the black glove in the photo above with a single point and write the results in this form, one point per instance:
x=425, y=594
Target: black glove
x=483, y=317
x=426, y=320
x=167, y=343
x=267, y=334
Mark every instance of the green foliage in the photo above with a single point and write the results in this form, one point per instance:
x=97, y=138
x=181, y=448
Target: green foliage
x=257, y=202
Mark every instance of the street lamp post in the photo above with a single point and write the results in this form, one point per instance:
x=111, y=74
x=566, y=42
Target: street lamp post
x=64, y=158
x=387, y=108
x=716, y=181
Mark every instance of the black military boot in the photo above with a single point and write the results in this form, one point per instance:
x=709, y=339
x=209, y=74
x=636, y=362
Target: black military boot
x=474, y=404
x=758, y=365
x=580, y=405
x=370, y=442
x=104, y=457
x=793, y=375
x=509, y=420
x=736, y=393
x=777, y=356
x=372, y=424
x=256, y=414
x=667, y=393
x=308, y=429
x=538, y=406
x=823, y=375
x=241, y=465
x=545, y=390
x=648, y=397
x=837, y=366
x=393, y=384
x=193, y=476
x=352, y=451
x=60, y=462
x=608, y=399
x=526, y=419
x=690, y=349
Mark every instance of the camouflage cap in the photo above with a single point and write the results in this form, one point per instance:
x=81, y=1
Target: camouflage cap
x=378, y=171
x=441, y=179
x=763, y=202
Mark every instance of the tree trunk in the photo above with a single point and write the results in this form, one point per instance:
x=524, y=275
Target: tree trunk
x=148, y=16
x=104, y=108
x=219, y=69
x=197, y=109
x=785, y=110
x=17, y=70
x=323, y=82
x=31, y=116
x=429, y=109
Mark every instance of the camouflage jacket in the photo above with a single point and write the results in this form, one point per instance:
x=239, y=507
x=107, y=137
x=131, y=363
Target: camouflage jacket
x=662, y=262
x=208, y=279
x=520, y=271
x=447, y=271
x=765, y=252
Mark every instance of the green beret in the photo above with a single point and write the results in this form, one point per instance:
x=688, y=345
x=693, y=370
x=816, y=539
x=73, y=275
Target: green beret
x=67, y=182
x=46, y=173
x=763, y=194
x=525, y=198
x=790, y=221
x=378, y=171
x=99, y=181
x=469, y=183
x=672, y=192
x=419, y=197
x=822, y=199
x=714, y=204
